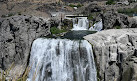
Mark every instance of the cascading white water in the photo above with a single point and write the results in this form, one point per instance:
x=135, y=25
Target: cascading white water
x=81, y=25
x=61, y=60
x=97, y=26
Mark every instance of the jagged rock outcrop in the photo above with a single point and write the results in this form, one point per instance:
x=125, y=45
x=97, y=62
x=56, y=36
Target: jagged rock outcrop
x=112, y=19
x=115, y=52
x=16, y=36
x=93, y=7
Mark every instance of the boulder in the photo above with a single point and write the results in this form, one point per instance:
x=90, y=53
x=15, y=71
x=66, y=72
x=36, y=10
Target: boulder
x=16, y=36
x=115, y=51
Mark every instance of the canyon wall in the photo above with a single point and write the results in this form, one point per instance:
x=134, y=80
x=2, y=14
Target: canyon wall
x=16, y=36
x=115, y=51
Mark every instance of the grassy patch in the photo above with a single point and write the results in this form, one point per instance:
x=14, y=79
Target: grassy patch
x=110, y=2
x=128, y=10
x=79, y=5
x=8, y=15
x=90, y=17
x=55, y=30
x=117, y=27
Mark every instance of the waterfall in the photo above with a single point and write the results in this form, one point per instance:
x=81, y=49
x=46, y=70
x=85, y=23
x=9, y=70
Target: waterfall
x=97, y=26
x=82, y=23
x=61, y=60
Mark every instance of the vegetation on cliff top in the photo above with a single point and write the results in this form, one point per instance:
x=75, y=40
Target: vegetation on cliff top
x=110, y=2
x=55, y=30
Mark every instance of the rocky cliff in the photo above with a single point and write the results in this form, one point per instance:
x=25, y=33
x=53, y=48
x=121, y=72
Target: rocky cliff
x=116, y=54
x=16, y=36
x=112, y=19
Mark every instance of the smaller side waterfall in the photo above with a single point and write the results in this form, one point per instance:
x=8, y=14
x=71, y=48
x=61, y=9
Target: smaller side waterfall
x=97, y=26
x=82, y=24
x=61, y=60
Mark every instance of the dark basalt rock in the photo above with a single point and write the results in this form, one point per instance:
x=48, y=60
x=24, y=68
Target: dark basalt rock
x=16, y=36
x=111, y=19
x=93, y=7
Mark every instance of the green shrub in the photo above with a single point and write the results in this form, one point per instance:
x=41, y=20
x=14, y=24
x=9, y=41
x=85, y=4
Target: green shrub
x=10, y=14
x=89, y=24
x=90, y=17
x=55, y=30
x=110, y=2
x=79, y=5
x=71, y=5
x=117, y=27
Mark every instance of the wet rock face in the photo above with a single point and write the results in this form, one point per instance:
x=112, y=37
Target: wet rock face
x=115, y=52
x=16, y=36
